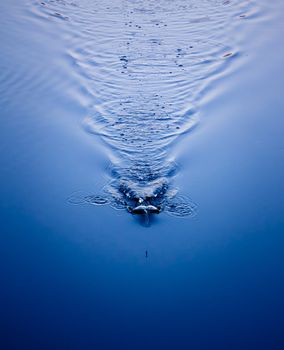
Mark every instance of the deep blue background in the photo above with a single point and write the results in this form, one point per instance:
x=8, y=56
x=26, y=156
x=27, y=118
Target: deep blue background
x=75, y=277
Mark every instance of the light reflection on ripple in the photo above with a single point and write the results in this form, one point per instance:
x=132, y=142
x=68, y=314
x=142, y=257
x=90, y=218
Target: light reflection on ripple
x=145, y=65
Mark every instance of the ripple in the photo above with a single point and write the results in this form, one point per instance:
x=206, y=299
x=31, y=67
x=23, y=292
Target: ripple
x=145, y=65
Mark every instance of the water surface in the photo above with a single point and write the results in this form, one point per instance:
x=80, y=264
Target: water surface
x=144, y=66
x=77, y=75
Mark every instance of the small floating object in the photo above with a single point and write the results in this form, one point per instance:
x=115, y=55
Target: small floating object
x=228, y=54
x=60, y=16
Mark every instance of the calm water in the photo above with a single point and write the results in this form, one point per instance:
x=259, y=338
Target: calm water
x=174, y=104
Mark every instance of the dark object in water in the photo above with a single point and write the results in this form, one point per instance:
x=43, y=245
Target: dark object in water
x=143, y=202
x=144, y=209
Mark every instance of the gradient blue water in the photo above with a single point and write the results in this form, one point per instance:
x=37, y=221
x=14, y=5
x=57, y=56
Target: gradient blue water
x=76, y=277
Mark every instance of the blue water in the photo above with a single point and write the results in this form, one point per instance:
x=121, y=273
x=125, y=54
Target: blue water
x=76, y=276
